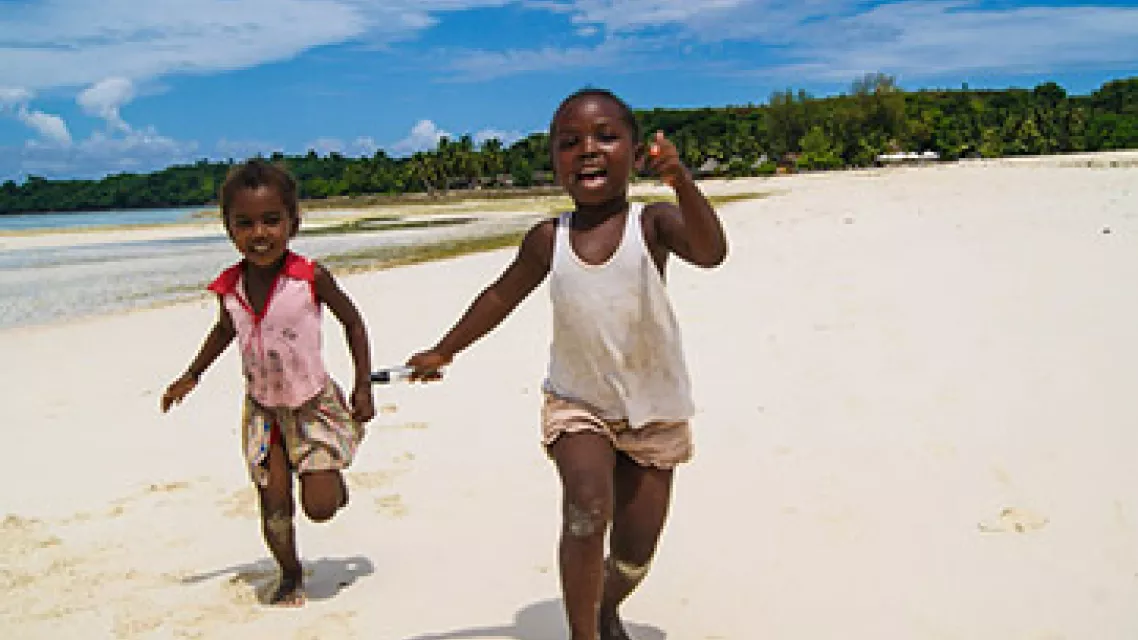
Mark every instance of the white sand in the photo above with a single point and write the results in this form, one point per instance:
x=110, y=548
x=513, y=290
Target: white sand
x=916, y=420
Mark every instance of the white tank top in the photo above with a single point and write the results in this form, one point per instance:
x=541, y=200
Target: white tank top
x=616, y=343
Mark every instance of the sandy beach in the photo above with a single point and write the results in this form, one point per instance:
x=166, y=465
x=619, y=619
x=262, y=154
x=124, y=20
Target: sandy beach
x=914, y=422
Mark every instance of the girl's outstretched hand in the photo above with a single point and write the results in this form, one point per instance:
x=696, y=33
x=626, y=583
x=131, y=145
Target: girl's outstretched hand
x=427, y=365
x=177, y=390
x=363, y=405
x=664, y=160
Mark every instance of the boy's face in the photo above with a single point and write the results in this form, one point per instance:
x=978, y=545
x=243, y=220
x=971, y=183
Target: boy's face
x=593, y=150
x=260, y=225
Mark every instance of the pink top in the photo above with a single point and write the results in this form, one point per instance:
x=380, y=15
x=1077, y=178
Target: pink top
x=280, y=348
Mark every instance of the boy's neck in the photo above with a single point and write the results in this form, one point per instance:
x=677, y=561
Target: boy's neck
x=592, y=213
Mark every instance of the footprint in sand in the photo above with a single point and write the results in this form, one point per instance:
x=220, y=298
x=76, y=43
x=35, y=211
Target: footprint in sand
x=119, y=506
x=391, y=505
x=333, y=625
x=412, y=426
x=20, y=536
x=1014, y=520
x=370, y=479
x=242, y=504
x=167, y=487
x=250, y=587
x=254, y=586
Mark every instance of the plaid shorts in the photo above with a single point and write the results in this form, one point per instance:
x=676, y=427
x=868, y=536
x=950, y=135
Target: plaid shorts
x=319, y=435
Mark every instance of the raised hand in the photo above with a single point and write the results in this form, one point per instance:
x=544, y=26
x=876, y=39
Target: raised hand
x=664, y=160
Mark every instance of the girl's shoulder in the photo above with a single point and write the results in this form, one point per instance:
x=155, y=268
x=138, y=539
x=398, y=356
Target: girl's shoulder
x=226, y=282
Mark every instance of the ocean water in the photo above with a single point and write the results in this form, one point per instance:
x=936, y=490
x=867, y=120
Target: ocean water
x=74, y=275
x=48, y=278
x=82, y=219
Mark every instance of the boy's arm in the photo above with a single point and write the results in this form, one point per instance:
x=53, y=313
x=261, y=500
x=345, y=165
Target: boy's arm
x=355, y=332
x=491, y=307
x=692, y=230
x=215, y=343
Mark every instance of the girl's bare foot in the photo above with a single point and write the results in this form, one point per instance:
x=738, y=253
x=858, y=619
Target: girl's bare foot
x=290, y=590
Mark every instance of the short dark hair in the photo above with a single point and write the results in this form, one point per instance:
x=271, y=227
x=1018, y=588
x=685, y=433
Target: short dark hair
x=593, y=92
x=255, y=173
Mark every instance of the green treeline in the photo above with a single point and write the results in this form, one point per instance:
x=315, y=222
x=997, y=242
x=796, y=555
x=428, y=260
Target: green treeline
x=794, y=129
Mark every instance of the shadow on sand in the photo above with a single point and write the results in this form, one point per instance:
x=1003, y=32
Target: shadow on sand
x=323, y=578
x=543, y=620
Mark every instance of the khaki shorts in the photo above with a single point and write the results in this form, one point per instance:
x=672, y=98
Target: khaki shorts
x=662, y=445
x=320, y=435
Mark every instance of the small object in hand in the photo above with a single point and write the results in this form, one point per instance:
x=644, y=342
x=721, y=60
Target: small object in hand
x=392, y=374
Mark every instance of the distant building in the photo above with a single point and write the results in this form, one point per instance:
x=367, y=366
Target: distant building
x=709, y=167
x=907, y=157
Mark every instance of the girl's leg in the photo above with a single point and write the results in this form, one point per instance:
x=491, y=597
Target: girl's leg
x=641, y=498
x=585, y=463
x=276, y=524
x=322, y=493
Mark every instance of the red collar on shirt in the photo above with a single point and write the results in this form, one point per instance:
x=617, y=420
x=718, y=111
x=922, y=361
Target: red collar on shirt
x=295, y=266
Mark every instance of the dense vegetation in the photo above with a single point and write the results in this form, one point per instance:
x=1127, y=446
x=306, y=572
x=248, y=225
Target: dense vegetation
x=793, y=129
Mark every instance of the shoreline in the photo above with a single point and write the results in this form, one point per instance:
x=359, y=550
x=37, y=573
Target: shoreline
x=465, y=226
x=369, y=239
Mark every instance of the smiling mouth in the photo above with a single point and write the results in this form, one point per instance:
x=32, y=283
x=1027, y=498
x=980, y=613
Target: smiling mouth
x=260, y=247
x=592, y=176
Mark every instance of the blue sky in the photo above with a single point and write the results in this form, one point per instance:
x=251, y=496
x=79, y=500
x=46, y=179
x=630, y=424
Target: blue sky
x=88, y=88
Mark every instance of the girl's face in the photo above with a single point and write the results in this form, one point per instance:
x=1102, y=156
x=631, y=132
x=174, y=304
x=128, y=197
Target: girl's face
x=593, y=150
x=260, y=225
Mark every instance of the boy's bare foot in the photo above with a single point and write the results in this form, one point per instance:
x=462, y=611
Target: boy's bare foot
x=290, y=591
x=611, y=627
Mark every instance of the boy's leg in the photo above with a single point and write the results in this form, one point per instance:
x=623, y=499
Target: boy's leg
x=585, y=463
x=641, y=497
x=276, y=524
x=322, y=493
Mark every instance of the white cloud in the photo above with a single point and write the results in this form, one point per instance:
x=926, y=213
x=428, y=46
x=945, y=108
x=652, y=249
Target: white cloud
x=78, y=42
x=104, y=99
x=929, y=39
x=50, y=127
x=68, y=43
x=14, y=102
x=13, y=96
x=505, y=137
x=361, y=146
x=241, y=149
x=840, y=39
x=324, y=146
x=364, y=146
x=96, y=156
x=632, y=15
x=481, y=65
x=424, y=137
